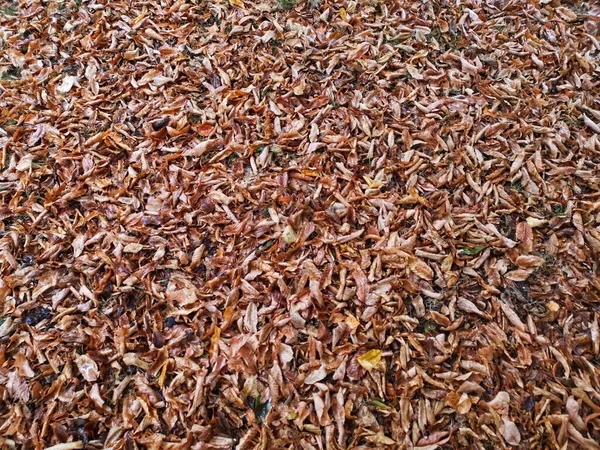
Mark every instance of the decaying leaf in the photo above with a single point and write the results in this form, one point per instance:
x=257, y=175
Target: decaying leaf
x=133, y=248
x=512, y=316
x=500, y=403
x=524, y=235
x=88, y=368
x=380, y=439
x=67, y=83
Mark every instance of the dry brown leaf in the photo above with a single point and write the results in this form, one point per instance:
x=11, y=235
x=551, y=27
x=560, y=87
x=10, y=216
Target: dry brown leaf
x=421, y=268
x=517, y=275
x=529, y=261
x=512, y=316
x=316, y=375
x=524, y=235
x=210, y=211
x=133, y=248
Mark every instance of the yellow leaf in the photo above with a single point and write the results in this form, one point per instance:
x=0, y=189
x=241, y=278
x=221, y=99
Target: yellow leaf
x=370, y=359
x=237, y=3
x=373, y=184
x=343, y=15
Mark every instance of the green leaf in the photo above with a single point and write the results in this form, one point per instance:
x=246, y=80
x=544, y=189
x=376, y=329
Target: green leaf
x=261, y=409
x=379, y=403
x=472, y=251
x=429, y=326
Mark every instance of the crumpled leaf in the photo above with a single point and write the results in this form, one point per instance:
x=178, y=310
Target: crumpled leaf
x=500, y=402
x=67, y=83
x=78, y=245
x=88, y=368
x=17, y=387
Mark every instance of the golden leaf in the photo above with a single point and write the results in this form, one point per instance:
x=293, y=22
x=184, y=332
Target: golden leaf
x=343, y=15
x=370, y=359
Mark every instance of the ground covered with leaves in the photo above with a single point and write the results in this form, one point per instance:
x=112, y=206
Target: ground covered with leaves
x=299, y=224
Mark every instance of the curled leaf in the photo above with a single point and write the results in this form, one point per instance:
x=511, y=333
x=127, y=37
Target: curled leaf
x=88, y=368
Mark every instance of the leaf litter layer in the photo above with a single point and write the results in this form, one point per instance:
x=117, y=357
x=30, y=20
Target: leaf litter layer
x=299, y=225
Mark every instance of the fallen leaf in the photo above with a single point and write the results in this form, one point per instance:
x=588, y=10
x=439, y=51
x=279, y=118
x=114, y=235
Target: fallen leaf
x=133, y=248
x=88, y=368
x=517, y=275
x=316, y=376
x=512, y=316
x=510, y=432
x=343, y=14
x=67, y=84
x=380, y=439
x=421, y=268
x=289, y=235
x=524, y=235
x=529, y=261
x=370, y=359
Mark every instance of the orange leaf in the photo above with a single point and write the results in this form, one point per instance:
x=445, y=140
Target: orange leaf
x=214, y=343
